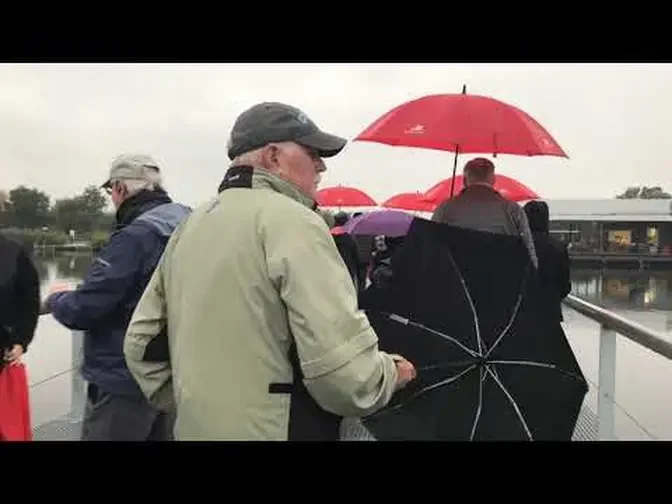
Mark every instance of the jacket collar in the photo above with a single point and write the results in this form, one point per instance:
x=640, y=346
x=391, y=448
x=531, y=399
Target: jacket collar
x=138, y=204
x=255, y=177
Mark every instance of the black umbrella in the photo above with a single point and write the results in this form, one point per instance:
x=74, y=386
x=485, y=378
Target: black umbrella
x=464, y=307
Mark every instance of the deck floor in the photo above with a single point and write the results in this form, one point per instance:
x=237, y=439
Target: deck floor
x=68, y=428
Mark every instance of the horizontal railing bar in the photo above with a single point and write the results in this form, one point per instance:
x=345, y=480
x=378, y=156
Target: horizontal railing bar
x=644, y=336
x=631, y=330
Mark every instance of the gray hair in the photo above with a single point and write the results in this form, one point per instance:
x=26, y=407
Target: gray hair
x=252, y=157
x=152, y=182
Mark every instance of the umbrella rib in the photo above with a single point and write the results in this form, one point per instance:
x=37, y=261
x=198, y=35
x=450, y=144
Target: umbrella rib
x=406, y=321
x=480, y=404
x=536, y=364
x=423, y=390
x=513, y=403
x=514, y=314
x=477, y=325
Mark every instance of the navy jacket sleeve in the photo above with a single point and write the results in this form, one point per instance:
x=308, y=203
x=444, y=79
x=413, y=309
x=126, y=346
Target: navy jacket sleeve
x=112, y=274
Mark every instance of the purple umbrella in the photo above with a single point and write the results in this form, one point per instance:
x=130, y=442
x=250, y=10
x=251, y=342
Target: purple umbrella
x=383, y=222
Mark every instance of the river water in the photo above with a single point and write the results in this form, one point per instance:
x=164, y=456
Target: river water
x=643, y=410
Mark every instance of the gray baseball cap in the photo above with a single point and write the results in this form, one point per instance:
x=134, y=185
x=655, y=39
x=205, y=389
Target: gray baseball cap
x=277, y=122
x=131, y=166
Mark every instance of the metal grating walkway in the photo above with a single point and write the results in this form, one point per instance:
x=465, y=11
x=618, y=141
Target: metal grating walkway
x=60, y=429
x=68, y=428
x=586, y=428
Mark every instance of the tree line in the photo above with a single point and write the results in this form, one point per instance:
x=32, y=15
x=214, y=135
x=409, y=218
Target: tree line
x=644, y=192
x=31, y=213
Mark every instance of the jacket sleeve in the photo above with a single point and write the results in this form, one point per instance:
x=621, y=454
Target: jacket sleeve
x=342, y=366
x=146, y=342
x=27, y=292
x=523, y=226
x=113, y=273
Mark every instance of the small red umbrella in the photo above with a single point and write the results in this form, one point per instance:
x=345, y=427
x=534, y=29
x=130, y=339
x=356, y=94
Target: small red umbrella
x=15, y=424
x=462, y=123
x=510, y=188
x=342, y=196
x=413, y=201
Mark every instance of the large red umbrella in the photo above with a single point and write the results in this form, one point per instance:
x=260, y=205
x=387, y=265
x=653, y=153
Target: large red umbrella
x=413, y=201
x=510, y=188
x=462, y=123
x=342, y=196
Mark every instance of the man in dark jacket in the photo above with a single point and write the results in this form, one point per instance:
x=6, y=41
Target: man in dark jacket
x=347, y=247
x=103, y=304
x=479, y=206
x=19, y=300
x=553, y=258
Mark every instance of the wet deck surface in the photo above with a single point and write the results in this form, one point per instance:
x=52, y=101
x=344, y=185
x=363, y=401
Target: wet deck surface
x=68, y=427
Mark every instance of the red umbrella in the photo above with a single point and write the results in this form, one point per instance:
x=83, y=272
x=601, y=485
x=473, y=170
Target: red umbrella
x=15, y=424
x=463, y=123
x=414, y=202
x=510, y=188
x=342, y=196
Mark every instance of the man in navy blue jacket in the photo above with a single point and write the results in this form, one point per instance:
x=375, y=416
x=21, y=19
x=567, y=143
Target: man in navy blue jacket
x=103, y=304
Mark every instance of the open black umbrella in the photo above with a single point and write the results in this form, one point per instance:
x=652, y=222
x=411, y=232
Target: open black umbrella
x=464, y=307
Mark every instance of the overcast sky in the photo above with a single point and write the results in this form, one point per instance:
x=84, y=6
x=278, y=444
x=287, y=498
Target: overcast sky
x=61, y=124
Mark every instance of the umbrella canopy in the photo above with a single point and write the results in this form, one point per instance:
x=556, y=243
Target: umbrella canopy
x=468, y=123
x=381, y=222
x=342, y=196
x=413, y=201
x=462, y=123
x=508, y=187
x=464, y=307
x=15, y=423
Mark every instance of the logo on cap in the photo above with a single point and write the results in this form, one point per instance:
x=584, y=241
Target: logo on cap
x=302, y=118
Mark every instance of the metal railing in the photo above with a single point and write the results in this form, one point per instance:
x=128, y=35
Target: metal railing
x=612, y=324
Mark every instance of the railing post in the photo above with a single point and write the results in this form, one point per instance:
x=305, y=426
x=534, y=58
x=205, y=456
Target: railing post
x=606, y=385
x=78, y=386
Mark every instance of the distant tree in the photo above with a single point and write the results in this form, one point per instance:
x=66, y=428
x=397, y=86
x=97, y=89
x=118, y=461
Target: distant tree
x=27, y=208
x=93, y=200
x=644, y=192
x=4, y=215
x=83, y=213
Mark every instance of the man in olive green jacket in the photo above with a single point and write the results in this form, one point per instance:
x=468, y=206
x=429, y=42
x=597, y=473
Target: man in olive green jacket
x=250, y=326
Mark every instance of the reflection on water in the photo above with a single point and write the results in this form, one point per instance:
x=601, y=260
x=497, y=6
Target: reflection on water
x=630, y=290
x=56, y=351
x=70, y=267
x=642, y=296
x=641, y=382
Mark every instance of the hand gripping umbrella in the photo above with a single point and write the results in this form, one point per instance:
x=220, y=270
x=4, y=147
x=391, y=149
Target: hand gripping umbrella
x=462, y=123
x=464, y=307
